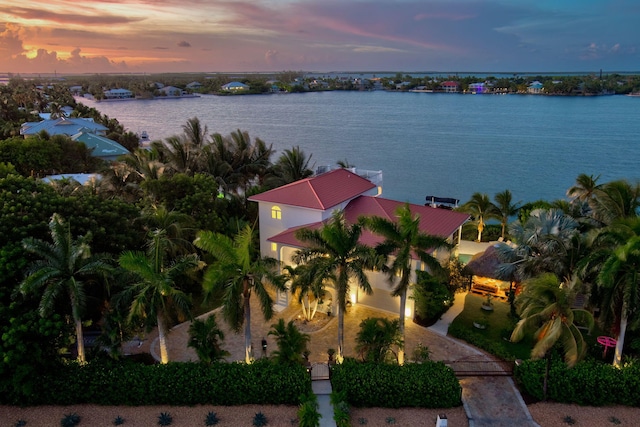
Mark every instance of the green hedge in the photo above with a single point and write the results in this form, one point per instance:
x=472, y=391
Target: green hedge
x=182, y=384
x=423, y=385
x=589, y=383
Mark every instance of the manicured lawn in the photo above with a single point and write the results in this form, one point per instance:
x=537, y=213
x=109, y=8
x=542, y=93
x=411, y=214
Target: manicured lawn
x=499, y=324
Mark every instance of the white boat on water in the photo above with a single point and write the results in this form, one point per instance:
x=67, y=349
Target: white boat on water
x=634, y=94
x=145, y=141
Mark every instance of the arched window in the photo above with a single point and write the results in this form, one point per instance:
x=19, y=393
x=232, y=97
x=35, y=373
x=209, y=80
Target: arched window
x=276, y=213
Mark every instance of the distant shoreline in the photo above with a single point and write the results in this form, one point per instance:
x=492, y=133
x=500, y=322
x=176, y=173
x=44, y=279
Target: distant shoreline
x=143, y=99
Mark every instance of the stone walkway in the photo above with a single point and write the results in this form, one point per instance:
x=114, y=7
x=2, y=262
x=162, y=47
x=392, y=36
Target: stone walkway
x=492, y=401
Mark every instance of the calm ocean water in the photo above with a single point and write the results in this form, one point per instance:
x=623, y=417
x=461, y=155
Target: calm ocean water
x=425, y=144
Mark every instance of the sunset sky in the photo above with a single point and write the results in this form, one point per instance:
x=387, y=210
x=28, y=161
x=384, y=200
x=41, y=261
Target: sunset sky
x=109, y=36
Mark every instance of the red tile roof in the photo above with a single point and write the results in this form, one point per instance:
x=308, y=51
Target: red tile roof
x=288, y=237
x=434, y=221
x=320, y=192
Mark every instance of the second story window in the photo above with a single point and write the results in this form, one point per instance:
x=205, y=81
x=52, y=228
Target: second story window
x=276, y=213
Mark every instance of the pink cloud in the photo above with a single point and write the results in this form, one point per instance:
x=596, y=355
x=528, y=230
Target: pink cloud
x=10, y=42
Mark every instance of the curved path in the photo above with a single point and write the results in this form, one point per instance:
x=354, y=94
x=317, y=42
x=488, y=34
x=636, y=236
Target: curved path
x=488, y=401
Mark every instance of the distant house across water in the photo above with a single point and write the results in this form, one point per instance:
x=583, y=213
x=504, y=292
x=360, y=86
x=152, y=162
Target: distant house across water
x=450, y=87
x=478, y=88
x=194, y=86
x=118, y=94
x=171, y=91
x=535, y=87
x=235, y=87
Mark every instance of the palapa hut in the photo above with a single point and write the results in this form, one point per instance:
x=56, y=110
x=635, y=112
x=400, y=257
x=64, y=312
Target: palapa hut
x=485, y=280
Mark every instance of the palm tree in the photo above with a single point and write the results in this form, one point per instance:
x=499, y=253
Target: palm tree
x=64, y=266
x=335, y=253
x=546, y=307
x=252, y=158
x=481, y=208
x=307, y=284
x=293, y=165
x=237, y=273
x=194, y=134
x=290, y=341
x=176, y=225
x=618, y=265
x=505, y=208
x=154, y=293
x=236, y=161
x=145, y=164
x=616, y=200
x=56, y=110
x=584, y=189
x=404, y=240
x=204, y=337
x=548, y=242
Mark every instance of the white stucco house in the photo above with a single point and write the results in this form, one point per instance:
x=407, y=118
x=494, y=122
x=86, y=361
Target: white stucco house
x=310, y=203
x=118, y=94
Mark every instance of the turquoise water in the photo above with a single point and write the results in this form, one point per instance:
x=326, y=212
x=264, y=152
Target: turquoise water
x=425, y=144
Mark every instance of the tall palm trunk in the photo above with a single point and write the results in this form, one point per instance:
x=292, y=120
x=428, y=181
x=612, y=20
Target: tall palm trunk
x=80, y=340
x=480, y=229
x=340, y=332
x=162, y=339
x=617, y=357
x=306, y=309
x=78, y=326
x=403, y=304
x=247, y=321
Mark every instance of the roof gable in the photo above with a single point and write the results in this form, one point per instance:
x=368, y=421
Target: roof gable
x=320, y=192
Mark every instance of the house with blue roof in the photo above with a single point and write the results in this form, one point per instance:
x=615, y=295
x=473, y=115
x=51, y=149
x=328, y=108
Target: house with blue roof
x=235, y=87
x=63, y=126
x=535, y=87
x=100, y=146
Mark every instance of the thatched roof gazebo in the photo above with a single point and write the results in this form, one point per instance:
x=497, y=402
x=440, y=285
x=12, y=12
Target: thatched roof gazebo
x=484, y=267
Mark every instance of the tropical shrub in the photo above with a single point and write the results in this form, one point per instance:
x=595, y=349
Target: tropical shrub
x=104, y=382
x=376, y=338
x=211, y=419
x=70, y=420
x=260, y=420
x=341, y=410
x=308, y=414
x=290, y=341
x=423, y=385
x=205, y=337
x=587, y=383
x=165, y=419
x=432, y=298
